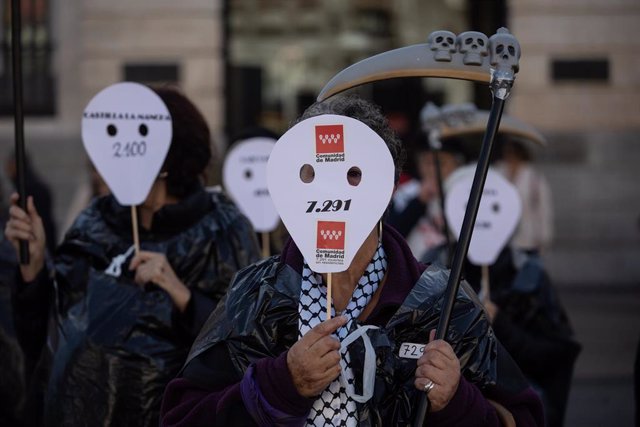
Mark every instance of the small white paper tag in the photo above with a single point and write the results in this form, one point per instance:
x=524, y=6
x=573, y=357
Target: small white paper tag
x=126, y=131
x=409, y=350
x=245, y=177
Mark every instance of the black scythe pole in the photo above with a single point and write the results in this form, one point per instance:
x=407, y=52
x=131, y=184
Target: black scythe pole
x=16, y=56
x=437, y=149
x=465, y=236
x=501, y=83
x=416, y=61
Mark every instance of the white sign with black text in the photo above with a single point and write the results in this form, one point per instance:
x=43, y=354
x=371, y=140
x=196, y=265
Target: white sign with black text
x=498, y=215
x=244, y=175
x=331, y=178
x=126, y=131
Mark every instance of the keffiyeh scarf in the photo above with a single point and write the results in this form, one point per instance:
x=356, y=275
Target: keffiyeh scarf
x=336, y=406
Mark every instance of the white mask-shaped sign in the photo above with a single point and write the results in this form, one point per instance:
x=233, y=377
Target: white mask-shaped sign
x=126, y=130
x=331, y=179
x=498, y=214
x=244, y=174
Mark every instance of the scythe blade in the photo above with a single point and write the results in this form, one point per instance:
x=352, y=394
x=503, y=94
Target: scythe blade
x=412, y=61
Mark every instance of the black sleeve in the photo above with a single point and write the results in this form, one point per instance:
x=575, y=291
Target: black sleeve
x=200, y=371
x=196, y=313
x=31, y=304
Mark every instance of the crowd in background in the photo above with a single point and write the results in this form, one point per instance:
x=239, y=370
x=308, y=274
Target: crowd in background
x=91, y=332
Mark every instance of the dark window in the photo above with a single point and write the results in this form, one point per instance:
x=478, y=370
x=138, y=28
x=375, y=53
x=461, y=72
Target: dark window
x=152, y=73
x=588, y=70
x=38, y=91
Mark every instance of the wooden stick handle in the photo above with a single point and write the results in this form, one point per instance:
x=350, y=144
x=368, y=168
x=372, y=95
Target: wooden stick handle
x=266, y=245
x=484, y=283
x=329, y=297
x=134, y=222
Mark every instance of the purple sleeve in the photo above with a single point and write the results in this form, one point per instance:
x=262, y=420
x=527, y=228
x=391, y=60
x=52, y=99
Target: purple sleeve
x=469, y=407
x=271, y=397
x=186, y=404
x=266, y=393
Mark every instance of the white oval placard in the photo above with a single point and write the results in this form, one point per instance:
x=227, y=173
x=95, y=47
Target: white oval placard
x=327, y=216
x=244, y=175
x=126, y=131
x=498, y=214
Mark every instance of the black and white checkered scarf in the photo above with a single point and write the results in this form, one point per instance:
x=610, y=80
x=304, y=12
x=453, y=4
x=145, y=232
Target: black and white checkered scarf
x=335, y=406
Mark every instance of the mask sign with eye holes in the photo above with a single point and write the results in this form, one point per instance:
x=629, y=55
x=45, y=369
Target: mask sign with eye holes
x=244, y=174
x=331, y=179
x=498, y=214
x=126, y=131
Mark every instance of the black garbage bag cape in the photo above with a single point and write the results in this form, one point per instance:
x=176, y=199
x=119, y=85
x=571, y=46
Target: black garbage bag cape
x=259, y=319
x=120, y=343
x=8, y=265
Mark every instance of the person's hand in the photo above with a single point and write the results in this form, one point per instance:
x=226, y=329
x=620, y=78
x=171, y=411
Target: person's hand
x=153, y=267
x=491, y=309
x=440, y=365
x=27, y=226
x=314, y=361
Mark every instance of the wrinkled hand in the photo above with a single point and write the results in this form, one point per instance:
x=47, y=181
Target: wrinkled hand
x=153, y=267
x=439, y=364
x=314, y=361
x=27, y=226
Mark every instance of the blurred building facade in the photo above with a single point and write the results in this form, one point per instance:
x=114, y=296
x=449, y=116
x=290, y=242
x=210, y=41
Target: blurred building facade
x=261, y=62
x=74, y=48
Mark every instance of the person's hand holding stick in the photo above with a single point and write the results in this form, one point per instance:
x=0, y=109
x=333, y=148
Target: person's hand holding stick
x=26, y=226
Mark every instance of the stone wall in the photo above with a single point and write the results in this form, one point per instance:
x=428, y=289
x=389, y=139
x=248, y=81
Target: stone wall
x=94, y=39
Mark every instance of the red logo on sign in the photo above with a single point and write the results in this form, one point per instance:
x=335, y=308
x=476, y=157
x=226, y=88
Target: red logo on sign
x=330, y=235
x=329, y=139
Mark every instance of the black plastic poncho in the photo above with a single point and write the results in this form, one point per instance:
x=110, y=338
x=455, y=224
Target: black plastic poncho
x=120, y=343
x=259, y=319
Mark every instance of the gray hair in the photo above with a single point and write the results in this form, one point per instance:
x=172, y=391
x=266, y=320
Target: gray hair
x=369, y=114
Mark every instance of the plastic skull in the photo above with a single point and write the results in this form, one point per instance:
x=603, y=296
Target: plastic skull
x=474, y=45
x=443, y=43
x=505, y=50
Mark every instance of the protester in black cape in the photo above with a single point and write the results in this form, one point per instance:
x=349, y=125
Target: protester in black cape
x=18, y=378
x=530, y=321
x=416, y=210
x=251, y=366
x=126, y=322
x=279, y=235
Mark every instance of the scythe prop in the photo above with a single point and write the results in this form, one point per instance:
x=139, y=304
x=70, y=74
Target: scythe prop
x=433, y=121
x=469, y=56
x=16, y=56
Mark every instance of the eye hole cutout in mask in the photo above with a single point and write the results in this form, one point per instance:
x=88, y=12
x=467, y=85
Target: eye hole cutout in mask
x=354, y=176
x=307, y=173
x=112, y=130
